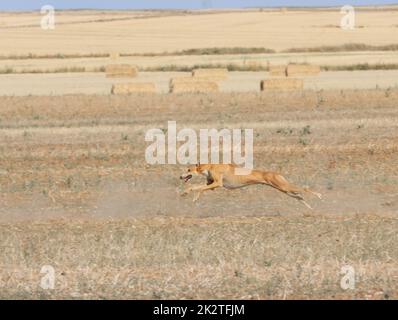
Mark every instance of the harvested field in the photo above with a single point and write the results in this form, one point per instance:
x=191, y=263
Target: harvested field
x=281, y=84
x=202, y=258
x=79, y=196
x=128, y=233
x=327, y=139
x=176, y=30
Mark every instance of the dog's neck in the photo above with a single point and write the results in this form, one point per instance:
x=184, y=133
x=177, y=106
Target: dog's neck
x=206, y=173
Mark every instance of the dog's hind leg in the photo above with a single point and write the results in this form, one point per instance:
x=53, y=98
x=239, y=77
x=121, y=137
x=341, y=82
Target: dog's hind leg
x=286, y=185
x=280, y=183
x=319, y=195
x=299, y=198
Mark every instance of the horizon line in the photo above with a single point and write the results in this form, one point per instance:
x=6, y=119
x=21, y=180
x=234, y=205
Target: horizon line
x=205, y=9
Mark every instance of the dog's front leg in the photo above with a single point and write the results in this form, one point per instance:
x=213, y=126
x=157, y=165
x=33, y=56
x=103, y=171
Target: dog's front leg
x=201, y=189
x=190, y=189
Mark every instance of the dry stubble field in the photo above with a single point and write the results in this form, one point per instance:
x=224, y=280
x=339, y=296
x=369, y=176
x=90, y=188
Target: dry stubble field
x=77, y=194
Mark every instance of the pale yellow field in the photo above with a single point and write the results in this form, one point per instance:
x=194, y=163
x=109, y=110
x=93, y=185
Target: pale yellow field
x=168, y=31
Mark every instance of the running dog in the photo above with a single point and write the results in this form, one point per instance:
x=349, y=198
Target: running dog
x=225, y=175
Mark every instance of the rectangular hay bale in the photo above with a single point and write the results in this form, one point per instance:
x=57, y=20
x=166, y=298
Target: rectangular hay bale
x=215, y=74
x=194, y=87
x=277, y=71
x=294, y=70
x=114, y=55
x=282, y=84
x=121, y=71
x=187, y=79
x=139, y=87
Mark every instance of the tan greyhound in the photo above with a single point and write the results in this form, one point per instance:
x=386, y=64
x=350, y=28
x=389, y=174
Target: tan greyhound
x=225, y=175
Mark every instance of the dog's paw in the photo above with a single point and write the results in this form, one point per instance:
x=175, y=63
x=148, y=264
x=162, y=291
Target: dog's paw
x=196, y=197
x=319, y=195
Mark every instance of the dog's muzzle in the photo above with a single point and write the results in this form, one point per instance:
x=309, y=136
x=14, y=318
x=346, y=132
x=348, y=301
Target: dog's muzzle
x=186, y=178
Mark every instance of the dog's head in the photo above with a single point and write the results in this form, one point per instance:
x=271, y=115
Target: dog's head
x=192, y=171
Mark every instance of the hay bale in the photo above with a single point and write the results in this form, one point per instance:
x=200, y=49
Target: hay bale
x=182, y=79
x=282, y=84
x=194, y=87
x=114, y=55
x=277, y=71
x=216, y=74
x=294, y=70
x=139, y=87
x=177, y=80
x=121, y=70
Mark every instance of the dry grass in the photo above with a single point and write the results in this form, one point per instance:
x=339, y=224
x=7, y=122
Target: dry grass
x=282, y=84
x=244, y=66
x=77, y=194
x=190, y=258
x=83, y=110
x=30, y=56
x=191, y=68
x=127, y=234
x=10, y=70
x=361, y=66
x=347, y=47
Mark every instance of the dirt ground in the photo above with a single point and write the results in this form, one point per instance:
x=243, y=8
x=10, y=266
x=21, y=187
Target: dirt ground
x=87, y=152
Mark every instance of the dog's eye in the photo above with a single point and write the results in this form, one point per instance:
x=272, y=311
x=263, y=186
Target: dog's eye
x=189, y=170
